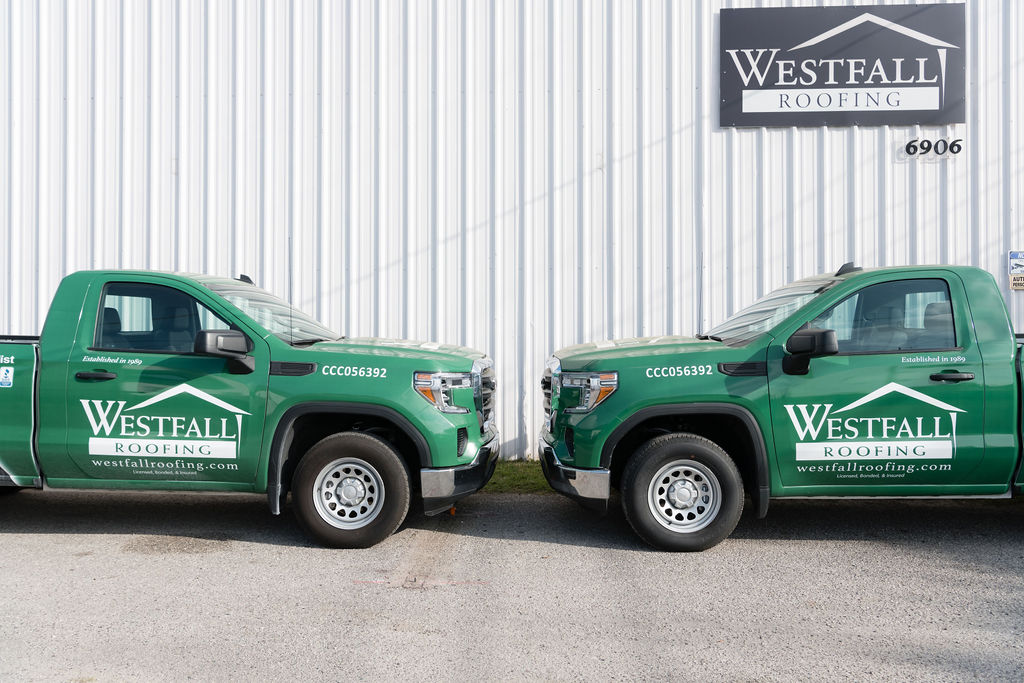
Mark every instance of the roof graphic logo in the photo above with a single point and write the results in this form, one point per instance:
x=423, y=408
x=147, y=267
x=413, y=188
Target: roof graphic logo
x=867, y=17
x=893, y=387
x=192, y=391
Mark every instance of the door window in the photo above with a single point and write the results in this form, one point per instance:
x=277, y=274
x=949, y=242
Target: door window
x=151, y=318
x=903, y=315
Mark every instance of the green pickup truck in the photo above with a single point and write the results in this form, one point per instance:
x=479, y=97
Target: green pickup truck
x=890, y=382
x=146, y=380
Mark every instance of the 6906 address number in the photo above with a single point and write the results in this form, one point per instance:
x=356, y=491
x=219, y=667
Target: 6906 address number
x=938, y=147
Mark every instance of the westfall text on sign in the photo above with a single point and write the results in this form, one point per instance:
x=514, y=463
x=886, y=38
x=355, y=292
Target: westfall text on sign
x=840, y=66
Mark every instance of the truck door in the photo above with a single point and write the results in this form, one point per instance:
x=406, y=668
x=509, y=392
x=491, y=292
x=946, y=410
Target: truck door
x=143, y=408
x=900, y=410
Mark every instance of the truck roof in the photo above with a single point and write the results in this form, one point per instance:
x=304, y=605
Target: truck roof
x=199, y=277
x=855, y=271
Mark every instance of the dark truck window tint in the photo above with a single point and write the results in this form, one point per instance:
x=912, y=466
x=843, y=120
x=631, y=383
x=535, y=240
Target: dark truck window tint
x=903, y=315
x=143, y=317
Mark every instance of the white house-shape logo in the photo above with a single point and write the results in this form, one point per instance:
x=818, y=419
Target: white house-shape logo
x=188, y=389
x=893, y=387
x=853, y=432
x=143, y=430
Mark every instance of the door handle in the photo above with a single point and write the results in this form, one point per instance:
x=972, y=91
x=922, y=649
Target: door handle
x=99, y=375
x=952, y=376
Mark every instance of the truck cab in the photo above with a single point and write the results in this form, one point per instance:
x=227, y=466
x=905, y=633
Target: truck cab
x=891, y=382
x=144, y=380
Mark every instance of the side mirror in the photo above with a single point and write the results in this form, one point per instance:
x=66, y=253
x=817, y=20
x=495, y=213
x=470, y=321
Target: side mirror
x=230, y=344
x=805, y=345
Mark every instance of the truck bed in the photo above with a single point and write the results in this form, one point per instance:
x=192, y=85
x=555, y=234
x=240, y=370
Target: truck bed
x=19, y=360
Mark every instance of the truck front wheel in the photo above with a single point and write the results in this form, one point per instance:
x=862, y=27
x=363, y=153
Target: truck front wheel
x=351, y=490
x=682, y=492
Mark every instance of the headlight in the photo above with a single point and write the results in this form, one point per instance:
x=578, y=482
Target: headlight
x=581, y=392
x=439, y=388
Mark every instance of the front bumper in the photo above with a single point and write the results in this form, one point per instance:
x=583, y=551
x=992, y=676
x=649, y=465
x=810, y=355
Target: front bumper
x=442, y=487
x=590, y=488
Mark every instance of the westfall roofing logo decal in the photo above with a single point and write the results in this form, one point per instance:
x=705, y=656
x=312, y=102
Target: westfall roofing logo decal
x=144, y=429
x=843, y=66
x=890, y=430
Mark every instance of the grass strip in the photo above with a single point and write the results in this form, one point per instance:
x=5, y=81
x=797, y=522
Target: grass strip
x=517, y=476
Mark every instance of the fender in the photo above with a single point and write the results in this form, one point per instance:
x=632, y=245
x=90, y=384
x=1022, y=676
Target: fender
x=285, y=432
x=761, y=471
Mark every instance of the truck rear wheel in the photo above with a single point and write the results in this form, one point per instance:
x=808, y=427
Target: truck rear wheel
x=682, y=492
x=351, y=490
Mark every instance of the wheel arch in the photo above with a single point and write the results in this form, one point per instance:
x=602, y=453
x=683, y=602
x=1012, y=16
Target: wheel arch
x=303, y=425
x=731, y=427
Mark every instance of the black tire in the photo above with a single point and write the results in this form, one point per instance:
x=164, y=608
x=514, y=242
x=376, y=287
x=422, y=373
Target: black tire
x=8, y=490
x=351, y=490
x=682, y=492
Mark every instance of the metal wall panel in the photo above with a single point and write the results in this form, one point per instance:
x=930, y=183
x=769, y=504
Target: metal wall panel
x=515, y=176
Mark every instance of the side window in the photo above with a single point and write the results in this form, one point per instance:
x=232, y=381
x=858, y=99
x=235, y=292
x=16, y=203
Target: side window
x=903, y=315
x=143, y=317
x=208, y=320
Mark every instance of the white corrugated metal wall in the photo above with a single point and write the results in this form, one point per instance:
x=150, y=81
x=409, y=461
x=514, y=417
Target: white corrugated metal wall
x=514, y=176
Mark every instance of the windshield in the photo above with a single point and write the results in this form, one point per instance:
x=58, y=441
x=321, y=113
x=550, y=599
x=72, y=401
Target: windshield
x=770, y=310
x=276, y=315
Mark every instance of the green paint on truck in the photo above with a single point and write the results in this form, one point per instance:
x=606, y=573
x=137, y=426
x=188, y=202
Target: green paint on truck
x=882, y=382
x=144, y=380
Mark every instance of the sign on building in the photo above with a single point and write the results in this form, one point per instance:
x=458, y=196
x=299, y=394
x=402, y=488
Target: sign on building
x=867, y=65
x=1016, y=269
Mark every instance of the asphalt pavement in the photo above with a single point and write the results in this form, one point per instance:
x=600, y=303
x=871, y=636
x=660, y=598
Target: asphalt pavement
x=103, y=586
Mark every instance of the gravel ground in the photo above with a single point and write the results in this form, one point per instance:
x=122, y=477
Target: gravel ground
x=131, y=586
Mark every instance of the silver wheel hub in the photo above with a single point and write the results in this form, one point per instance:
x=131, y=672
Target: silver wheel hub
x=684, y=496
x=348, y=493
x=351, y=492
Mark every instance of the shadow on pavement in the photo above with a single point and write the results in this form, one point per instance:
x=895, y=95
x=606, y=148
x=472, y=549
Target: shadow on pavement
x=207, y=516
x=539, y=518
x=978, y=532
x=918, y=521
x=988, y=531
x=969, y=529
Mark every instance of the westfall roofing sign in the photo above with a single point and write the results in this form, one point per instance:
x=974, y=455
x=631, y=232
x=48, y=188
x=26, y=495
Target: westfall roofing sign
x=840, y=66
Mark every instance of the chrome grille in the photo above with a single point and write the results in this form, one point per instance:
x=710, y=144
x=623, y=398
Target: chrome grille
x=545, y=385
x=552, y=370
x=486, y=394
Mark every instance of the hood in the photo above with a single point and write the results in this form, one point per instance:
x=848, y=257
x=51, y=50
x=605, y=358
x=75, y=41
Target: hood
x=446, y=356
x=580, y=357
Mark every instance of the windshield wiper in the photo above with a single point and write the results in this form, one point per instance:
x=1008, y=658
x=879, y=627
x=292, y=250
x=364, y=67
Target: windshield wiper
x=712, y=337
x=312, y=340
